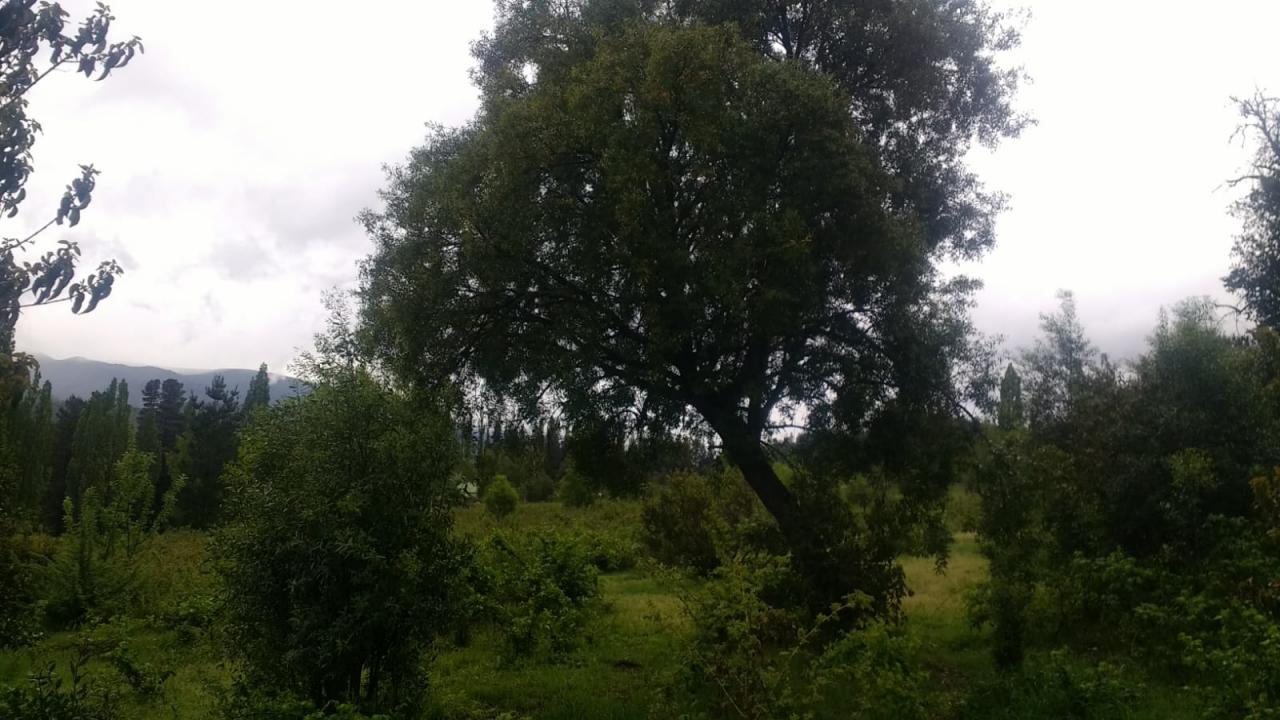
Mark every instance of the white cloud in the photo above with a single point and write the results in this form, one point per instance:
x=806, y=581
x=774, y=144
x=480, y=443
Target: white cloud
x=236, y=152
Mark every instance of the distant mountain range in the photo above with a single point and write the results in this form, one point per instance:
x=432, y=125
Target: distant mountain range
x=80, y=376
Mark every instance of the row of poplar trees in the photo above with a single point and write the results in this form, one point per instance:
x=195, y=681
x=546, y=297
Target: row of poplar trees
x=57, y=453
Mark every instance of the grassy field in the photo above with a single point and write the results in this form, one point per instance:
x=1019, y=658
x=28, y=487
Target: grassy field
x=631, y=645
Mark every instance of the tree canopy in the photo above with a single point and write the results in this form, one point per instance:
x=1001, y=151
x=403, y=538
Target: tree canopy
x=675, y=214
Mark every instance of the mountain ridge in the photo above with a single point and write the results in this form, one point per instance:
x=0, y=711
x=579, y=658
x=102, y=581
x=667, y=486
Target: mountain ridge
x=81, y=376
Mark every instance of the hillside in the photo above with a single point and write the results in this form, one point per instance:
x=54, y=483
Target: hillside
x=81, y=376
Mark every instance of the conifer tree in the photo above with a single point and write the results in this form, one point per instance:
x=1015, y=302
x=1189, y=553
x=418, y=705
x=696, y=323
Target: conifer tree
x=259, y=394
x=210, y=443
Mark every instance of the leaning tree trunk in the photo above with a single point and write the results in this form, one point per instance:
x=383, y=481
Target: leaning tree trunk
x=745, y=452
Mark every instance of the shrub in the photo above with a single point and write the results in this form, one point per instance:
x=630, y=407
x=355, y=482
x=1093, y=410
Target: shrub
x=17, y=589
x=500, y=497
x=964, y=509
x=575, y=489
x=538, y=486
x=750, y=659
x=686, y=519
x=45, y=696
x=338, y=562
x=1053, y=689
x=843, y=551
x=538, y=590
x=85, y=577
x=609, y=552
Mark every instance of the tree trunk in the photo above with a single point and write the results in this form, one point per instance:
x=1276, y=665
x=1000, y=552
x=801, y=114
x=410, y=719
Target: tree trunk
x=744, y=451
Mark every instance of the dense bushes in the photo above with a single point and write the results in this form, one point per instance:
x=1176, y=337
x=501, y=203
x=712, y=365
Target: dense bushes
x=1055, y=688
x=749, y=658
x=1135, y=513
x=337, y=560
x=689, y=519
x=46, y=696
x=537, y=590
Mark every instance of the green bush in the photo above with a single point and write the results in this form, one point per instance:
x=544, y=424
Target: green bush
x=500, y=498
x=18, y=585
x=338, y=562
x=964, y=510
x=1056, y=688
x=748, y=658
x=85, y=577
x=538, y=590
x=575, y=489
x=538, y=486
x=46, y=696
x=687, y=519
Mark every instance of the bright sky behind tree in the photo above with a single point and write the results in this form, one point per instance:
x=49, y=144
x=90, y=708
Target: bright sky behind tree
x=236, y=153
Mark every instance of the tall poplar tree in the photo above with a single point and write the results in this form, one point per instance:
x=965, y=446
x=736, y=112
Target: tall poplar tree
x=259, y=394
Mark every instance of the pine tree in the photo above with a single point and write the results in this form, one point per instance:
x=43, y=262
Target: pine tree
x=211, y=441
x=171, y=417
x=148, y=419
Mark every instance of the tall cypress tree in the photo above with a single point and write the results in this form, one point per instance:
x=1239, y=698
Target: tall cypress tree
x=259, y=394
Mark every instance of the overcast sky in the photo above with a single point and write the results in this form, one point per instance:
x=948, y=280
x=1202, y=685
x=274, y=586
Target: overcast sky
x=237, y=151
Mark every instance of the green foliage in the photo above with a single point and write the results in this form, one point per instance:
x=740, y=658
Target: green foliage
x=688, y=518
x=538, y=487
x=94, y=569
x=683, y=261
x=144, y=678
x=337, y=560
x=575, y=490
x=964, y=509
x=248, y=703
x=46, y=697
x=259, y=393
x=500, y=498
x=1058, y=688
x=538, y=590
x=90, y=576
x=750, y=659
x=102, y=436
x=204, y=450
x=847, y=547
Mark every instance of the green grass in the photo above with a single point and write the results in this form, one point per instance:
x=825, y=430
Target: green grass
x=632, y=645
x=950, y=647
x=604, y=516
x=628, y=650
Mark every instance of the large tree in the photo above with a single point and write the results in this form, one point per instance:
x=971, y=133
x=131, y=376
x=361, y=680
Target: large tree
x=1255, y=270
x=649, y=210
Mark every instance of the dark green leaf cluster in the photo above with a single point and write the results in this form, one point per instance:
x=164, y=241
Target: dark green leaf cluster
x=26, y=31
x=337, y=559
